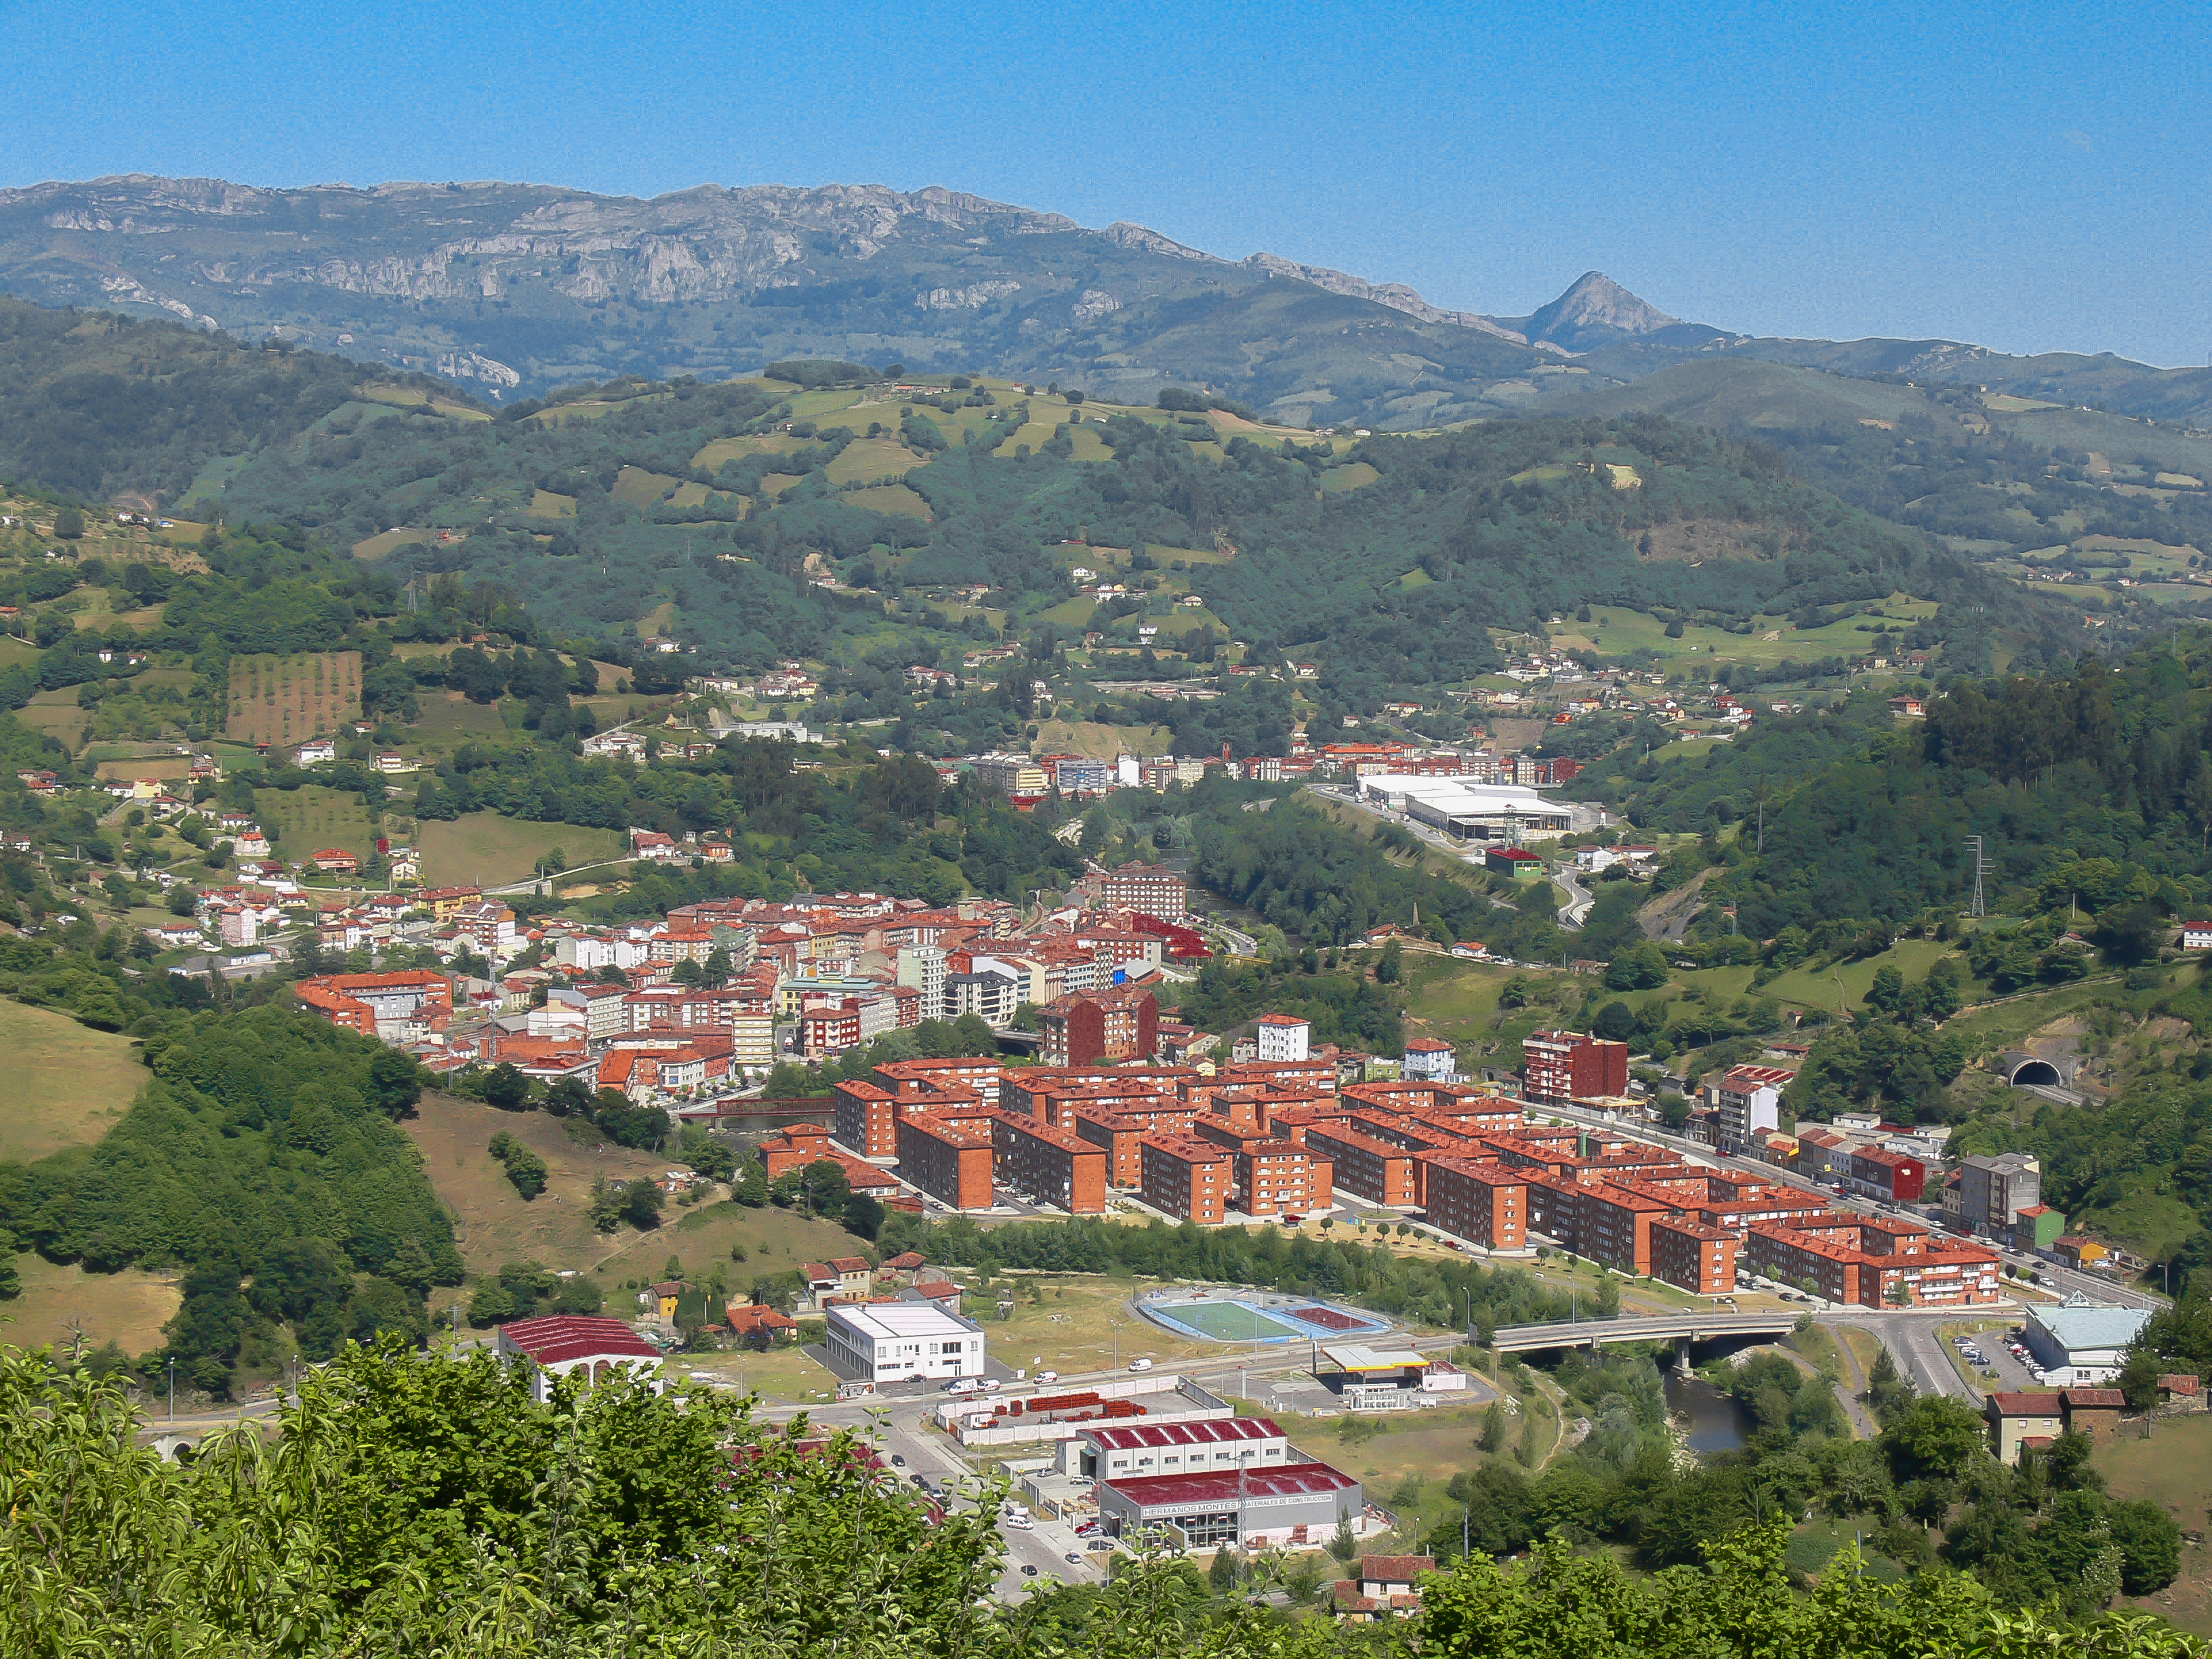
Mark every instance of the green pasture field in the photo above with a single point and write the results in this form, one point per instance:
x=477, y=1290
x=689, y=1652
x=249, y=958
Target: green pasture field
x=13, y=651
x=448, y=720
x=1612, y=631
x=716, y=455
x=866, y=460
x=128, y=1307
x=1035, y=433
x=304, y=819
x=402, y=397
x=563, y=413
x=2172, y=1469
x=891, y=498
x=640, y=488
x=544, y=504
x=68, y=1083
x=55, y=714
x=1355, y=475
x=1912, y=957
x=486, y=849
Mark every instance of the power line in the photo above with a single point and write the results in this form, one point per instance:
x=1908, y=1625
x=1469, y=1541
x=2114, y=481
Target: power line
x=1974, y=847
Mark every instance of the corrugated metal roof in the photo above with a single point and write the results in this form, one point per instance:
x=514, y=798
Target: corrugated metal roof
x=1222, y=1432
x=1152, y=1492
x=2092, y=1327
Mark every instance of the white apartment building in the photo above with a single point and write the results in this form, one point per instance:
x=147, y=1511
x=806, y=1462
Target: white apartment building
x=922, y=967
x=1282, y=1037
x=900, y=1342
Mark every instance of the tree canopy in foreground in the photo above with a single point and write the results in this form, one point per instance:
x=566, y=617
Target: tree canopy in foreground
x=422, y=1506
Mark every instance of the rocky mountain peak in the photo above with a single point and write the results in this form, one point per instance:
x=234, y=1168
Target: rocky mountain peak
x=1595, y=309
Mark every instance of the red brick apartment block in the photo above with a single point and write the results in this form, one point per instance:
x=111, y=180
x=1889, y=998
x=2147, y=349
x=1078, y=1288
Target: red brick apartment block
x=1320, y=1074
x=1563, y=1065
x=1479, y=1112
x=1049, y=1164
x=1874, y=1264
x=1186, y=1178
x=1378, y=1172
x=1094, y=1025
x=1121, y=1139
x=794, y=1147
x=914, y=1079
x=1485, y=1204
x=865, y=1119
x=1693, y=1256
x=1615, y=1227
x=1274, y=1177
x=952, y=1165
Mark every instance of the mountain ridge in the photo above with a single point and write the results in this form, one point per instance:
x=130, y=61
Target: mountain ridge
x=519, y=287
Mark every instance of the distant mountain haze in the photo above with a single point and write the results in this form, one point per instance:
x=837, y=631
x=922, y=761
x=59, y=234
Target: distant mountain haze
x=512, y=289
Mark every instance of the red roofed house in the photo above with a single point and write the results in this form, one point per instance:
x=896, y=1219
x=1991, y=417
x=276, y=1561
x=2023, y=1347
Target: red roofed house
x=398, y=1007
x=2020, y=1419
x=336, y=861
x=2093, y=1412
x=1386, y=1588
x=565, y=1345
x=757, y=1319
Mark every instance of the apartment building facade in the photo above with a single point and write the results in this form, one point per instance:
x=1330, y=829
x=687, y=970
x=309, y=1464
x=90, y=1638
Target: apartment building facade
x=1186, y=1177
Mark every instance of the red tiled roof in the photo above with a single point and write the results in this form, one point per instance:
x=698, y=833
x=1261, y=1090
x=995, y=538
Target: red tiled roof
x=1288, y=1480
x=2095, y=1399
x=1394, y=1569
x=1186, y=1434
x=2025, y=1405
x=561, y=1337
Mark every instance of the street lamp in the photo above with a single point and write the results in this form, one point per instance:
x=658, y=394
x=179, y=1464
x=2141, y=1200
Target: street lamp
x=172, y=1391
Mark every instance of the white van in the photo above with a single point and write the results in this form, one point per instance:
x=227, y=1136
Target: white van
x=1140, y=1364
x=1048, y=1376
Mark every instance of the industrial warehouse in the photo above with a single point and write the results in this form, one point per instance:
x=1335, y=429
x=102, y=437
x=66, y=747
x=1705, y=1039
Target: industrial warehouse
x=1488, y=812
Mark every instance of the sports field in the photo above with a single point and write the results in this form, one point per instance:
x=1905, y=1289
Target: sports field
x=1229, y=1318
x=1228, y=1321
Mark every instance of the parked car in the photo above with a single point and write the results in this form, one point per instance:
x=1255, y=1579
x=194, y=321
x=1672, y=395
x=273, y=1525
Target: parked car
x=1029, y=1569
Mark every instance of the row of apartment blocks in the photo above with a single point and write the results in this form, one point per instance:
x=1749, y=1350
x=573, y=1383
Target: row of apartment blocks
x=1264, y=1141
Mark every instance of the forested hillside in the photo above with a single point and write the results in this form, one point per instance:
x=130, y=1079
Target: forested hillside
x=103, y=405
x=762, y=519
x=2103, y=768
x=261, y=1161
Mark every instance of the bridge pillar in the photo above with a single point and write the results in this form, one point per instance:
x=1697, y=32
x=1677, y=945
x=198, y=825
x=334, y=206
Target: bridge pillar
x=1682, y=1355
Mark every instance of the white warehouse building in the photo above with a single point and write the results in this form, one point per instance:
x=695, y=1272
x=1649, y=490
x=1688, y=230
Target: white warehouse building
x=1506, y=813
x=902, y=1341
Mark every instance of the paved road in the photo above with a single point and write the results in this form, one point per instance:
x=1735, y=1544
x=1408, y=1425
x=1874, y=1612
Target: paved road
x=1916, y=1344
x=1579, y=898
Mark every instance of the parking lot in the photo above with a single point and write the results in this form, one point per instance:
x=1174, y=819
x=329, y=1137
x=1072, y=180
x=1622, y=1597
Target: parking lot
x=1989, y=1351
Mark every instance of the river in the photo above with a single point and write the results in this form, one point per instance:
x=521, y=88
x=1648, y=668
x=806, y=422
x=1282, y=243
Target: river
x=1715, y=1422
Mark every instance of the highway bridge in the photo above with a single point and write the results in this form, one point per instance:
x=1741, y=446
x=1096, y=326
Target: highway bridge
x=1679, y=1328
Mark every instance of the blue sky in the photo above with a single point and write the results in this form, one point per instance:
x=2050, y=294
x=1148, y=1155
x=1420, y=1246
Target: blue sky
x=2027, y=178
